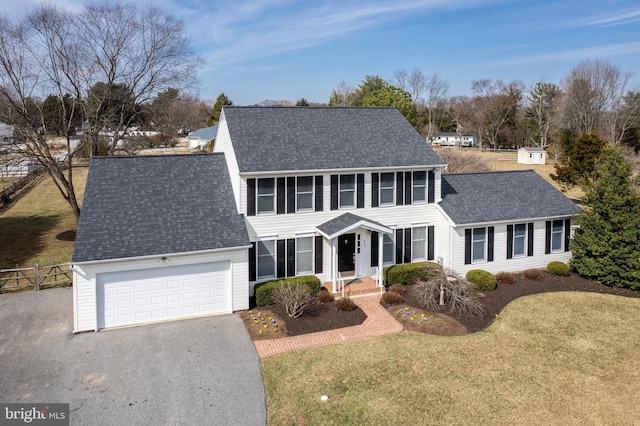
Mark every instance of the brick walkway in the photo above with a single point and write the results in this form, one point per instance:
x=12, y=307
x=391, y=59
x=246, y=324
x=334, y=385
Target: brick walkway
x=378, y=323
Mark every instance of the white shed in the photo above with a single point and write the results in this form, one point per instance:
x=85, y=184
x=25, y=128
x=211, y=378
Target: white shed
x=531, y=155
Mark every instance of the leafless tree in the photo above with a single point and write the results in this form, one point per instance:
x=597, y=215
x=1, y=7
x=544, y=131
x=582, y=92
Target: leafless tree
x=448, y=291
x=461, y=161
x=400, y=79
x=436, y=90
x=343, y=95
x=54, y=51
x=543, y=112
x=595, y=91
x=414, y=83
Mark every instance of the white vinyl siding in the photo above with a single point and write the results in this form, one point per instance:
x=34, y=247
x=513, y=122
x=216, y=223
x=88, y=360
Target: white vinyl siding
x=520, y=240
x=266, y=196
x=304, y=255
x=347, y=191
x=419, y=243
x=479, y=245
x=266, y=259
x=419, y=187
x=557, y=235
x=304, y=193
x=387, y=189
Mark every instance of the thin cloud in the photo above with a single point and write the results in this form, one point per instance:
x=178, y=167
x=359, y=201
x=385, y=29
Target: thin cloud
x=608, y=50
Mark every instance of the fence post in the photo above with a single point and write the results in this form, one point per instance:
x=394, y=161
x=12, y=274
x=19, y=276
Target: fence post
x=35, y=276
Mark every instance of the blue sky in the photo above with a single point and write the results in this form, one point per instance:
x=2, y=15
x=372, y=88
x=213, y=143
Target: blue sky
x=287, y=49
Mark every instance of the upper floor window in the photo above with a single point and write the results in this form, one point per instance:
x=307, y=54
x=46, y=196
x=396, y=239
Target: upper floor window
x=304, y=193
x=266, y=195
x=519, y=239
x=387, y=188
x=557, y=235
x=347, y=191
x=419, y=190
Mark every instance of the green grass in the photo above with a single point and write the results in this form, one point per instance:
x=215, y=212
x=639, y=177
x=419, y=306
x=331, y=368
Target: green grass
x=28, y=229
x=556, y=358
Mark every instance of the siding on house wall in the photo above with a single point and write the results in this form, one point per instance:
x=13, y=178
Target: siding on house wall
x=500, y=262
x=86, y=310
x=223, y=144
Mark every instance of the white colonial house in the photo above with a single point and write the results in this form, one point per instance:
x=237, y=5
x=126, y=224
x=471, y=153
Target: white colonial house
x=466, y=139
x=333, y=192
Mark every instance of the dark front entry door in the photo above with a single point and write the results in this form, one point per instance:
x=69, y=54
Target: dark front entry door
x=346, y=252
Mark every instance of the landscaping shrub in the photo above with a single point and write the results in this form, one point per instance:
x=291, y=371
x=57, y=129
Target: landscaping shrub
x=391, y=298
x=264, y=291
x=345, y=304
x=533, y=274
x=397, y=288
x=484, y=281
x=410, y=273
x=506, y=278
x=558, y=268
x=294, y=296
x=325, y=296
x=448, y=291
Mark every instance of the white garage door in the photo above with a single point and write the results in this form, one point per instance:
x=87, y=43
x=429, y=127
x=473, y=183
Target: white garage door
x=150, y=295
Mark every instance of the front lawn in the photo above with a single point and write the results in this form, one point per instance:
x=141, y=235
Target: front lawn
x=554, y=358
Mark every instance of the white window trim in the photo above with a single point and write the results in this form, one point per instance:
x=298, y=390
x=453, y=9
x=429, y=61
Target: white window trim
x=484, y=257
x=513, y=241
x=393, y=187
x=561, y=232
x=258, y=196
x=425, y=186
x=275, y=259
x=313, y=195
x=355, y=187
x=413, y=240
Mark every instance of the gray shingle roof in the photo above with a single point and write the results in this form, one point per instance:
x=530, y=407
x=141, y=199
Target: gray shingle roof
x=148, y=205
x=502, y=196
x=206, y=133
x=321, y=138
x=346, y=221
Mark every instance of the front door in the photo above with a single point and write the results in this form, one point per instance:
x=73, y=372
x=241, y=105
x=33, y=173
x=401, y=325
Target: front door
x=346, y=253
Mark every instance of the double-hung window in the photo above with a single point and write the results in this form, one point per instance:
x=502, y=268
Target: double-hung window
x=520, y=239
x=557, y=234
x=304, y=255
x=266, y=195
x=388, y=250
x=347, y=191
x=387, y=188
x=419, y=243
x=304, y=193
x=419, y=190
x=478, y=245
x=266, y=259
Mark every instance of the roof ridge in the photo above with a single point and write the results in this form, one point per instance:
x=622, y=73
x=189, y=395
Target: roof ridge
x=190, y=155
x=488, y=172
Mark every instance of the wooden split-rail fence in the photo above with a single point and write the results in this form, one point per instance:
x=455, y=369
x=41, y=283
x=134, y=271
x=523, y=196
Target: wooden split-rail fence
x=36, y=278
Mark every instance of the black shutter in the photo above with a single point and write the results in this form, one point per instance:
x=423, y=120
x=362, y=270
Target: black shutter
x=490, y=244
x=252, y=261
x=399, y=245
x=431, y=238
x=407, y=245
x=281, y=265
x=374, y=248
x=334, y=192
x=251, y=197
x=318, y=253
x=407, y=187
x=375, y=189
x=360, y=190
x=467, y=246
x=509, y=241
x=319, y=194
x=399, y=191
x=291, y=257
x=431, y=186
x=291, y=194
x=280, y=195
x=567, y=233
x=530, y=239
x=547, y=238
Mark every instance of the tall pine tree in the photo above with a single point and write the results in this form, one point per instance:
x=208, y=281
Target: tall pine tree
x=606, y=247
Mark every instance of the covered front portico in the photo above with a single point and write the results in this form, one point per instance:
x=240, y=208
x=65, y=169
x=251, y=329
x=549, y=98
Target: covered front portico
x=350, y=236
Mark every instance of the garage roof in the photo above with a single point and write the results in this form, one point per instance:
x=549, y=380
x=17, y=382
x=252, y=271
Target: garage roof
x=156, y=205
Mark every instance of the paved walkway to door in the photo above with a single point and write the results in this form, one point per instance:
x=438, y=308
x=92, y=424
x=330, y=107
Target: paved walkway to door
x=378, y=323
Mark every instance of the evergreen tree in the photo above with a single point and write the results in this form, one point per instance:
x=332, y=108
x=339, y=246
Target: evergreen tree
x=214, y=117
x=606, y=247
x=578, y=167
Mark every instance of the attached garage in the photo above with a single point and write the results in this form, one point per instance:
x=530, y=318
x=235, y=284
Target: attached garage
x=151, y=295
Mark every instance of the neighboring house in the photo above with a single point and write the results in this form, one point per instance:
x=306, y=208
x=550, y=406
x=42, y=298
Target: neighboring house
x=531, y=155
x=201, y=137
x=334, y=192
x=6, y=134
x=454, y=139
x=19, y=167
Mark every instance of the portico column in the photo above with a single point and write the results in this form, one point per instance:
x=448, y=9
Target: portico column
x=380, y=257
x=334, y=263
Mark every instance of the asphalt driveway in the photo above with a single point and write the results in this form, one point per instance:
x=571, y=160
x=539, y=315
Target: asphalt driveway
x=198, y=371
